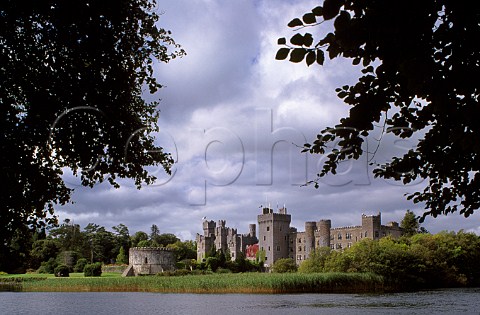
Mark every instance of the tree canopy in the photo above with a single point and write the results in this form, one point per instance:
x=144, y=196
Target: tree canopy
x=419, y=62
x=72, y=75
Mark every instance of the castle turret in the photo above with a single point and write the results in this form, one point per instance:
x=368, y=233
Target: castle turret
x=252, y=230
x=323, y=234
x=310, y=228
x=209, y=228
x=371, y=225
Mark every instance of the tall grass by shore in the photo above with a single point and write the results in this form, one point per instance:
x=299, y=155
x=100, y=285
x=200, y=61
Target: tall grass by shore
x=216, y=283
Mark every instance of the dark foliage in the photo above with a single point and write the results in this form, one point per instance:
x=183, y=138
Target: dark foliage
x=420, y=60
x=71, y=81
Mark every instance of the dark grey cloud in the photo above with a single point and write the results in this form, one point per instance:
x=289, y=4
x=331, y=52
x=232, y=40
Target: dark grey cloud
x=226, y=105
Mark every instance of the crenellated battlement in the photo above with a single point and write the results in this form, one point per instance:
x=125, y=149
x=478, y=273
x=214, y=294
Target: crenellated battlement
x=152, y=248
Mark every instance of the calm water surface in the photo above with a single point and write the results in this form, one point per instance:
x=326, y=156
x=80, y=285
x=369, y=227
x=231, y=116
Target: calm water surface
x=451, y=301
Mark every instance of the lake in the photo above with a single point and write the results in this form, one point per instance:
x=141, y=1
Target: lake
x=445, y=301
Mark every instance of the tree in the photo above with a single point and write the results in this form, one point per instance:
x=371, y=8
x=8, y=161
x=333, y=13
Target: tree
x=186, y=250
x=43, y=250
x=138, y=237
x=154, y=234
x=101, y=241
x=122, y=258
x=315, y=261
x=284, y=265
x=71, y=83
x=122, y=237
x=166, y=238
x=410, y=224
x=417, y=62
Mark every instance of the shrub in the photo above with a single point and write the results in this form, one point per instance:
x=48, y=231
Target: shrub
x=62, y=271
x=93, y=270
x=212, y=263
x=47, y=266
x=284, y=265
x=182, y=272
x=81, y=263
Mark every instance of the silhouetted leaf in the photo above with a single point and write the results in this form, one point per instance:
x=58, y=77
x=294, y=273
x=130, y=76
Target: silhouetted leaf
x=295, y=23
x=331, y=8
x=282, y=53
x=307, y=40
x=282, y=41
x=320, y=57
x=297, y=55
x=318, y=11
x=297, y=40
x=311, y=57
x=309, y=18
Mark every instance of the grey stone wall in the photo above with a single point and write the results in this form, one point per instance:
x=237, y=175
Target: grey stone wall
x=273, y=233
x=151, y=260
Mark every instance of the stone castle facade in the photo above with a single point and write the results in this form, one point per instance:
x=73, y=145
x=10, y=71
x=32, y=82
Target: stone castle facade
x=221, y=237
x=277, y=239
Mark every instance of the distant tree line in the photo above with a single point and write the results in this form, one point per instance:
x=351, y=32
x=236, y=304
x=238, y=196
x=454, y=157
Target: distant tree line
x=422, y=260
x=67, y=244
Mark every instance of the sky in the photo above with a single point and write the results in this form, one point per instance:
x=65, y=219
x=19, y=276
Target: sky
x=234, y=119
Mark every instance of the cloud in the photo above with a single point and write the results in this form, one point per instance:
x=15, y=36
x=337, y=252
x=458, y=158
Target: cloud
x=233, y=117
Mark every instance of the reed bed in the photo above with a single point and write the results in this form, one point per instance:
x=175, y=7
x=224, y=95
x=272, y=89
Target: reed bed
x=217, y=283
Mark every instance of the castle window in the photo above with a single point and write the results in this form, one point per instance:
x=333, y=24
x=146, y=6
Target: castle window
x=299, y=240
x=285, y=237
x=299, y=257
x=332, y=246
x=299, y=248
x=264, y=238
x=338, y=246
x=278, y=248
x=349, y=245
x=348, y=236
x=146, y=260
x=376, y=233
x=339, y=236
x=268, y=228
x=268, y=248
x=365, y=233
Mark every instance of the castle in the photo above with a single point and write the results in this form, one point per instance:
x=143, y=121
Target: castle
x=223, y=238
x=149, y=261
x=277, y=239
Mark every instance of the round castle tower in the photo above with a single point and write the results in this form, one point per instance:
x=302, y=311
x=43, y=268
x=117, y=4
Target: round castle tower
x=149, y=260
x=310, y=228
x=324, y=227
